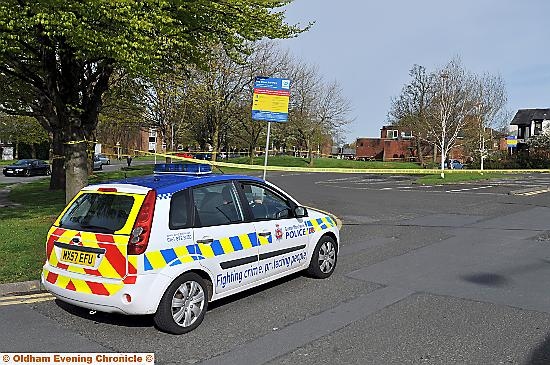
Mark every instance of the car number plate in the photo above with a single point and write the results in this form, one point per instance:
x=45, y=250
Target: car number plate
x=78, y=257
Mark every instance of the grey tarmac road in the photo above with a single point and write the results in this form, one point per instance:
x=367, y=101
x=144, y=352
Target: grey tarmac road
x=426, y=275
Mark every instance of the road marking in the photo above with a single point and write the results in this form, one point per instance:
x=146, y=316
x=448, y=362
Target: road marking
x=536, y=192
x=469, y=189
x=25, y=299
x=287, y=339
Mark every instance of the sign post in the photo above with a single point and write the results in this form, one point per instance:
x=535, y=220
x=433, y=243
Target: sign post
x=270, y=103
x=512, y=142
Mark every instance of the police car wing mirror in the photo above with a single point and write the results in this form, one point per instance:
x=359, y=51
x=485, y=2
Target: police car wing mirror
x=300, y=212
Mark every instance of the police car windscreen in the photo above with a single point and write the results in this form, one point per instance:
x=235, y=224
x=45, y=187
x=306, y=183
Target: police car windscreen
x=101, y=213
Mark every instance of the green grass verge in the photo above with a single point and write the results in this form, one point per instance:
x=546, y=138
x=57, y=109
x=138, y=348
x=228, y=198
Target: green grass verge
x=23, y=228
x=325, y=163
x=454, y=177
x=7, y=162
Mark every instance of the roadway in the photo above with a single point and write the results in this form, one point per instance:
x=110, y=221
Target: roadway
x=451, y=274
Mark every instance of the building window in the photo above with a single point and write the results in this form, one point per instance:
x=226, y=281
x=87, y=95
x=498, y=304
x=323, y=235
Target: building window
x=390, y=133
x=537, y=127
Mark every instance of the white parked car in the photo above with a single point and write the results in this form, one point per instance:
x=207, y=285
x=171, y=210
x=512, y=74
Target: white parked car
x=170, y=243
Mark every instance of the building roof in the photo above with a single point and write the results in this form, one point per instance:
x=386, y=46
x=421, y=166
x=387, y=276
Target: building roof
x=526, y=116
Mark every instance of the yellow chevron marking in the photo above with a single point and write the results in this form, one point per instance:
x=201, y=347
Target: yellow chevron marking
x=245, y=241
x=81, y=286
x=207, y=251
x=113, y=288
x=62, y=281
x=156, y=259
x=227, y=247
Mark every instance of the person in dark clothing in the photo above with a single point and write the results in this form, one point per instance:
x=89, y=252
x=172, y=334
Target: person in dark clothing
x=129, y=160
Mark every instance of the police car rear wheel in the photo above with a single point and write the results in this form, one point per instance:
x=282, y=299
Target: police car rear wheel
x=183, y=305
x=323, y=261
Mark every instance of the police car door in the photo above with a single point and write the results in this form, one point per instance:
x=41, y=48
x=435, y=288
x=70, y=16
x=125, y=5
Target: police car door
x=224, y=242
x=282, y=238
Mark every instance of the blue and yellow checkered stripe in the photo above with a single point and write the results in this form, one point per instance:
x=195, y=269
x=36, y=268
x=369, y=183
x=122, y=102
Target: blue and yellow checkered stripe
x=321, y=223
x=179, y=255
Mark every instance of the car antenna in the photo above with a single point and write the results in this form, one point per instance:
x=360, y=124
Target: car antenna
x=216, y=166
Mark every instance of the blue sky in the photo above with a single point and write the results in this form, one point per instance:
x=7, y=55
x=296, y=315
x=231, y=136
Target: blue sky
x=370, y=46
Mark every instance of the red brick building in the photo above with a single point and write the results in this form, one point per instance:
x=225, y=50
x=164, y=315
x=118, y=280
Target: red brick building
x=393, y=145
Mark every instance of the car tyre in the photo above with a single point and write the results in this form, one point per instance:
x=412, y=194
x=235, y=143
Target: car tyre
x=323, y=260
x=27, y=173
x=183, y=305
x=48, y=172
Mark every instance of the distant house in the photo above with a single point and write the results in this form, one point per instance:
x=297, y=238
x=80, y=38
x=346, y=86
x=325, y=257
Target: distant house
x=531, y=122
x=393, y=145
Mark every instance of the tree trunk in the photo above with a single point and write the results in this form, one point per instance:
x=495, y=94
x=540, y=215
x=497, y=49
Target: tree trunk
x=251, y=154
x=419, y=152
x=76, y=172
x=33, y=150
x=57, y=180
x=215, y=142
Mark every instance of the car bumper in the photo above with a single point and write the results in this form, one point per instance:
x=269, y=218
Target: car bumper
x=73, y=288
x=14, y=173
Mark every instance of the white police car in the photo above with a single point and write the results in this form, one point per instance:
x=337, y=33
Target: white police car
x=170, y=243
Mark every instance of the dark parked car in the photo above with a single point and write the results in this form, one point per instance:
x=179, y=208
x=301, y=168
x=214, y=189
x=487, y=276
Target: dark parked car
x=27, y=168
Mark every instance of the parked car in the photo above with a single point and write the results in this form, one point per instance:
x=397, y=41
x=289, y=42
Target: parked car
x=172, y=243
x=27, y=168
x=203, y=156
x=456, y=164
x=98, y=165
x=104, y=159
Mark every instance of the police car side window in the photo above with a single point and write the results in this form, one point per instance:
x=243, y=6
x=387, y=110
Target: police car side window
x=216, y=204
x=265, y=204
x=179, y=211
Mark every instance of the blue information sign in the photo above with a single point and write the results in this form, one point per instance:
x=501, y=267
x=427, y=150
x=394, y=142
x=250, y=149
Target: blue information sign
x=270, y=99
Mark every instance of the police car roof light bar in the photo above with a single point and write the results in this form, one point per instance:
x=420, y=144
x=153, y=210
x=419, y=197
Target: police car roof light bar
x=182, y=168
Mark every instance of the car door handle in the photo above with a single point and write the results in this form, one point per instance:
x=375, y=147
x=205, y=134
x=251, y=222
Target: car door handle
x=265, y=234
x=206, y=240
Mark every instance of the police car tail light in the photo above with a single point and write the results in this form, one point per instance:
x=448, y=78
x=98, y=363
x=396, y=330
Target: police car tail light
x=139, y=238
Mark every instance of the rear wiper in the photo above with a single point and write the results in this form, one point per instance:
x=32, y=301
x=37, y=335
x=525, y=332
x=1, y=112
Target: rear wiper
x=91, y=226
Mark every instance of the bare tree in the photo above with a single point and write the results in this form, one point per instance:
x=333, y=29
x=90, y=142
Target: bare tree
x=453, y=103
x=410, y=109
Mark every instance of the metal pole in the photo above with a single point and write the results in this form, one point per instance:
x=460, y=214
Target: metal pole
x=267, y=147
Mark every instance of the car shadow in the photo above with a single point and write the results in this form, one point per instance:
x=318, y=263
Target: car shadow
x=147, y=320
x=541, y=354
x=107, y=318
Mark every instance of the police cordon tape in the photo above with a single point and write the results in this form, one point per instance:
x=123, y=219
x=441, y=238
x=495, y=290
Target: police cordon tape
x=338, y=170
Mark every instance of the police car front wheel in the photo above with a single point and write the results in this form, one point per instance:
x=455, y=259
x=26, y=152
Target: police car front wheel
x=183, y=305
x=324, y=258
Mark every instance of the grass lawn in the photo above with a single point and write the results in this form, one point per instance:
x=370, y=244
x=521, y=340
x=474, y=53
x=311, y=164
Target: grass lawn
x=23, y=229
x=7, y=162
x=462, y=176
x=325, y=163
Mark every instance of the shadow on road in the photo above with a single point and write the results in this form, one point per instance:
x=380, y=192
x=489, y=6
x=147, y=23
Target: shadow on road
x=147, y=320
x=108, y=318
x=541, y=354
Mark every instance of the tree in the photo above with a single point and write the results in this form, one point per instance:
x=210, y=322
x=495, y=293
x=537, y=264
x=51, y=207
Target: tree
x=17, y=130
x=57, y=57
x=410, y=109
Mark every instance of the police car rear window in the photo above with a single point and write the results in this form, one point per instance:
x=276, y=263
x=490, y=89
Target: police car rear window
x=101, y=213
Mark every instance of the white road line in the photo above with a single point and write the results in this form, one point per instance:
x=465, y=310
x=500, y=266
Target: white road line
x=469, y=189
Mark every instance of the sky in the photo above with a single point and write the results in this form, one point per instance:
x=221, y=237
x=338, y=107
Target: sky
x=370, y=46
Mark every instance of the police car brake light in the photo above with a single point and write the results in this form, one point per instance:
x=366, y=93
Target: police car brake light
x=183, y=168
x=139, y=238
x=107, y=190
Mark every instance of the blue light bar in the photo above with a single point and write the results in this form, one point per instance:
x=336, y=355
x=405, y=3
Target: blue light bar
x=182, y=168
